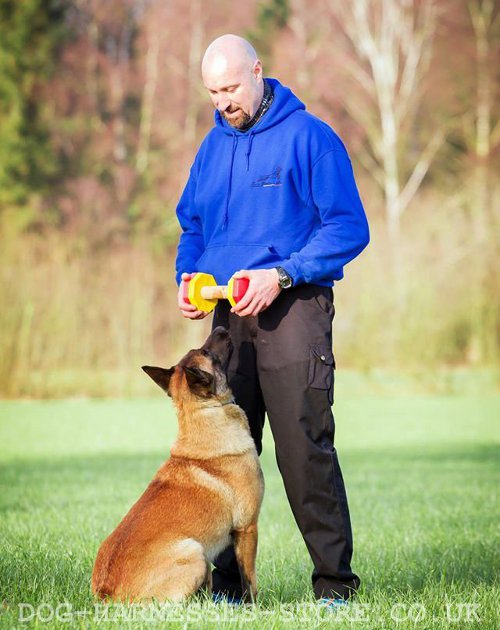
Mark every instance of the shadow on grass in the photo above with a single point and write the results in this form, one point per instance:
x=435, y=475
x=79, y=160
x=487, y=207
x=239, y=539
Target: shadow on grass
x=141, y=467
x=428, y=454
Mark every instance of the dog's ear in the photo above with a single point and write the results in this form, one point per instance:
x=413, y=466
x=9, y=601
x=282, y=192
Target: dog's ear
x=160, y=376
x=199, y=381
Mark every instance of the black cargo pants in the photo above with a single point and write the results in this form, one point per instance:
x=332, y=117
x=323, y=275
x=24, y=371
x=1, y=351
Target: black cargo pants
x=283, y=363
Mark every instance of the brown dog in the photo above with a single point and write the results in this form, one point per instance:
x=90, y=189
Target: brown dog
x=207, y=495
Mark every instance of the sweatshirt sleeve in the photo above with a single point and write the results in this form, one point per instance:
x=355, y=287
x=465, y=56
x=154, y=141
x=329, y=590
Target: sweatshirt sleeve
x=344, y=229
x=191, y=243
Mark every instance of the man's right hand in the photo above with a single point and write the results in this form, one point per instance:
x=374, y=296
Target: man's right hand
x=188, y=310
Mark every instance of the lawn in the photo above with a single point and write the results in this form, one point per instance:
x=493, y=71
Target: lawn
x=421, y=472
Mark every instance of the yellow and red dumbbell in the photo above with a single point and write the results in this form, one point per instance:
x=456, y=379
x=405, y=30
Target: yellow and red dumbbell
x=203, y=292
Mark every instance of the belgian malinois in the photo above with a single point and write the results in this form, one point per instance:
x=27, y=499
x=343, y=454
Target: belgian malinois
x=207, y=495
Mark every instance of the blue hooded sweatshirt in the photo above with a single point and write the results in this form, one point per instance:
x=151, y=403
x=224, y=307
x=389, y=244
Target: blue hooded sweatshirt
x=280, y=194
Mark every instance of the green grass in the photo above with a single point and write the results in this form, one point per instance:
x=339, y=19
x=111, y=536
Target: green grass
x=421, y=473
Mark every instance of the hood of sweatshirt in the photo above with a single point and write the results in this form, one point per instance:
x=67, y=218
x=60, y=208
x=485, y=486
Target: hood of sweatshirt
x=284, y=103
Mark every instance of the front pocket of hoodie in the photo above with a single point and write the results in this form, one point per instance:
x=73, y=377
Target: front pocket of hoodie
x=222, y=261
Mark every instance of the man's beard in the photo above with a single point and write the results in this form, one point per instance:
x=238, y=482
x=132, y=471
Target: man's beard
x=239, y=121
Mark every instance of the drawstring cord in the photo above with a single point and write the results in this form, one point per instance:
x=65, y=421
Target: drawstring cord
x=230, y=182
x=249, y=150
x=235, y=144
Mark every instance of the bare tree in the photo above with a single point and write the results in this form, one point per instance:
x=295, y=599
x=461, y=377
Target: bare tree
x=193, y=70
x=307, y=43
x=391, y=42
x=148, y=93
x=481, y=138
x=484, y=135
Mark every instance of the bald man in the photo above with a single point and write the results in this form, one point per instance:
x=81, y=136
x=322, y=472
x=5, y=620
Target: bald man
x=271, y=196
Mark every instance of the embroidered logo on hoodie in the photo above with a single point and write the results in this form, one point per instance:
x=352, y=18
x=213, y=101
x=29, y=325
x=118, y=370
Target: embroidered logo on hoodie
x=273, y=179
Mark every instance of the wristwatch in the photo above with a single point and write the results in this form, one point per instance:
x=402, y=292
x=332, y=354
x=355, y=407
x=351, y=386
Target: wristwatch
x=284, y=280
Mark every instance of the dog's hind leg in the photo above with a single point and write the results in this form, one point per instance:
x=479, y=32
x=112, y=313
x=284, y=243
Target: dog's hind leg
x=185, y=574
x=245, y=547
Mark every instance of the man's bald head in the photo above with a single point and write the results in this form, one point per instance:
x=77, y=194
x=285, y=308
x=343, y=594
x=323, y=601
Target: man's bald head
x=232, y=74
x=228, y=50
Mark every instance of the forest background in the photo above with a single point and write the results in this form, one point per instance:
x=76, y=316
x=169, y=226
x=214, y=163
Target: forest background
x=102, y=109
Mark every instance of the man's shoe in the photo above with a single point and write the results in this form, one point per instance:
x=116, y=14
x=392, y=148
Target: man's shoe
x=221, y=598
x=333, y=603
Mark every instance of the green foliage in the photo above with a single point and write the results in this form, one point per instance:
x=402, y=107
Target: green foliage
x=272, y=16
x=31, y=33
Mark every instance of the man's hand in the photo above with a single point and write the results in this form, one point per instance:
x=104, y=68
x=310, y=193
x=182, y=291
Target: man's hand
x=188, y=310
x=262, y=290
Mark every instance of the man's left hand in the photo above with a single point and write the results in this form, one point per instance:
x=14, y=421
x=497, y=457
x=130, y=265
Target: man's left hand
x=262, y=290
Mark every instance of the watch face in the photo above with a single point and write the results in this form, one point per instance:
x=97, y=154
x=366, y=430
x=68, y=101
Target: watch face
x=285, y=281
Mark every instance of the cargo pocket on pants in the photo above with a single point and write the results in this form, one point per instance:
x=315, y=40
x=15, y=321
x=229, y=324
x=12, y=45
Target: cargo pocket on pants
x=321, y=367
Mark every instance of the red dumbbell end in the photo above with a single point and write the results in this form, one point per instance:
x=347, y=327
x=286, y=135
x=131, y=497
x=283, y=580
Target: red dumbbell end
x=185, y=292
x=240, y=286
